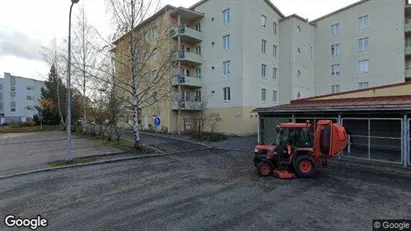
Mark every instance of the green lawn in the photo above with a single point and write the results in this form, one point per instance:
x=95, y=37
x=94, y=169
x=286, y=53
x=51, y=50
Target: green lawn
x=83, y=160
x=37, y=128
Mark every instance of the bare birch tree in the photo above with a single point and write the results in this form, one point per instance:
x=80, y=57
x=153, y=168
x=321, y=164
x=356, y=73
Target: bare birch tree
x=143, y=57
x=84, y=56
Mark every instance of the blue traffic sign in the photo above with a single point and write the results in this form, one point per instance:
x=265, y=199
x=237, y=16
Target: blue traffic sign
x=157, y=121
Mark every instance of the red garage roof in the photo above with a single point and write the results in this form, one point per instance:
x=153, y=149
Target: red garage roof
x=397, y=103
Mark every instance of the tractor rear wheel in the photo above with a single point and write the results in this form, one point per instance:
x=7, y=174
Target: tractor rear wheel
x=264, y=168
x=305, y=166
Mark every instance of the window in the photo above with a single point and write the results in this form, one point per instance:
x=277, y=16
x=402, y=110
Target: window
x=335, y=29
x=362, y=85
x=155, y=99
x=1, y=86
x=198, y=27
x=274, y=73
x=298, y=29
x=155, y=33
x=335, y=50
x=363, y=22
x=299, y=50
x=12, y=80
x=274, y=28
x=335, y=89
x=29, y=88
x=362, y=44
x=227, y=67
x=227, y=94
x=12, y=94
x=198, y=72
x=274, y=50
x=226, y=42
x=275, y=96
x=155, y=56
x=363, y=66
x=197, y=96
x=1, y=106
x=335, y=69
x=198, y=50
x=154, y=75
x=146, y=80
x=226, y=16
x=13, y=88
x=263, y=21
x=12, y=106
x=264, y=70
x=263, y=95
x=29, y=97
x=263, y=46
x=29, y=108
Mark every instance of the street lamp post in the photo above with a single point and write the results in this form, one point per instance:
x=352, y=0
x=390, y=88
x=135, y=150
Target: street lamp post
x=68, y=128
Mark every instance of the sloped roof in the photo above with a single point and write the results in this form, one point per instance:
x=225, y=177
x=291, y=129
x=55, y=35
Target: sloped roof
x=382, y=103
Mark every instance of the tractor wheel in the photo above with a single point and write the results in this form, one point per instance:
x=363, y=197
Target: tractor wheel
x=305, y=166
x=264, y=168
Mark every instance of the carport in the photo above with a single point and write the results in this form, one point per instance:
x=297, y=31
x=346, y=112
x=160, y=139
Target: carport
x=378, y=127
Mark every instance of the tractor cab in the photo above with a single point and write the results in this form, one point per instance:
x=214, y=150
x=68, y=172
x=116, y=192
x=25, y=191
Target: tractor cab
x=295, y=151
x=294, y=135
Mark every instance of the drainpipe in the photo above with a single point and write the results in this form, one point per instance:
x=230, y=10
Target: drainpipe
x=339, y=122
x=406, y=144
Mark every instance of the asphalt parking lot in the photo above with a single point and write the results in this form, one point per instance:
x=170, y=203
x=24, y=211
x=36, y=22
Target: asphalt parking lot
x=21, y=152
x=204, y=190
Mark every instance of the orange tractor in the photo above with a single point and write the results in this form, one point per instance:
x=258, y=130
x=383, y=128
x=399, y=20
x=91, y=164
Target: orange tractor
x=294, y=153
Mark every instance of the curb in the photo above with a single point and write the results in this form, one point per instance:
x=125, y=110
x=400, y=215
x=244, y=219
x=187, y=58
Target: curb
x=99, y=162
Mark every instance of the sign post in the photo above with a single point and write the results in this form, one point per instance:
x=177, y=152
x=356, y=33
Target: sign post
x=157, y=123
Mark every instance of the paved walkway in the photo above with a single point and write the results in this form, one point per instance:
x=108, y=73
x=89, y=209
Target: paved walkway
x=21, y=152
x=244, y=143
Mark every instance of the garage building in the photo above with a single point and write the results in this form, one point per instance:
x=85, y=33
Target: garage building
x=377, y=120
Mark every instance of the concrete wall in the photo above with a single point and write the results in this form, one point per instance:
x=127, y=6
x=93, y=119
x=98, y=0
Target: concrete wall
x=385, y=49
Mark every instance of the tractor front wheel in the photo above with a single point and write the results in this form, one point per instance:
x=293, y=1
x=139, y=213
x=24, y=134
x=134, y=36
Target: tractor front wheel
x=305, y=166
x=264, y=168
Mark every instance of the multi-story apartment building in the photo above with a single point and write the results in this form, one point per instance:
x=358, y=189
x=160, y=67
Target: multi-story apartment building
x=240, y=55
x=18, y=98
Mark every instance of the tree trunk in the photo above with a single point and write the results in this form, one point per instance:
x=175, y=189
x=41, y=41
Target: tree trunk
x=135, y=121
x=59, y=104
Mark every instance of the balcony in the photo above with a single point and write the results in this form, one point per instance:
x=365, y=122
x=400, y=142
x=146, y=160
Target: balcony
x=408, y=74
x=186, y=81
x=188, y=58
x=187, y=35
x=187, y=105
x=407, y=27
x=407, y=51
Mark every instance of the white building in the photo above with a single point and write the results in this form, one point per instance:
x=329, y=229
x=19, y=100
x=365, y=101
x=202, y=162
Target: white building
x=18, y=98
x=251, y=55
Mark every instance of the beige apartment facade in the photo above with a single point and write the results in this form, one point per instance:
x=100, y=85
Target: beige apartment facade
x=234, y=56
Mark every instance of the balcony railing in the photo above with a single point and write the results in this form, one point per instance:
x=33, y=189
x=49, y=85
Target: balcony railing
x=407, y=51
x=182, y=80
x=408, y=73
x=187, y=34
x=187, y=105
x=188, y=57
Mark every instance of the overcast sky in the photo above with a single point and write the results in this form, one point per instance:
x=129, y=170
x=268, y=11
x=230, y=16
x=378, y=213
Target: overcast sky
x=26, y=25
